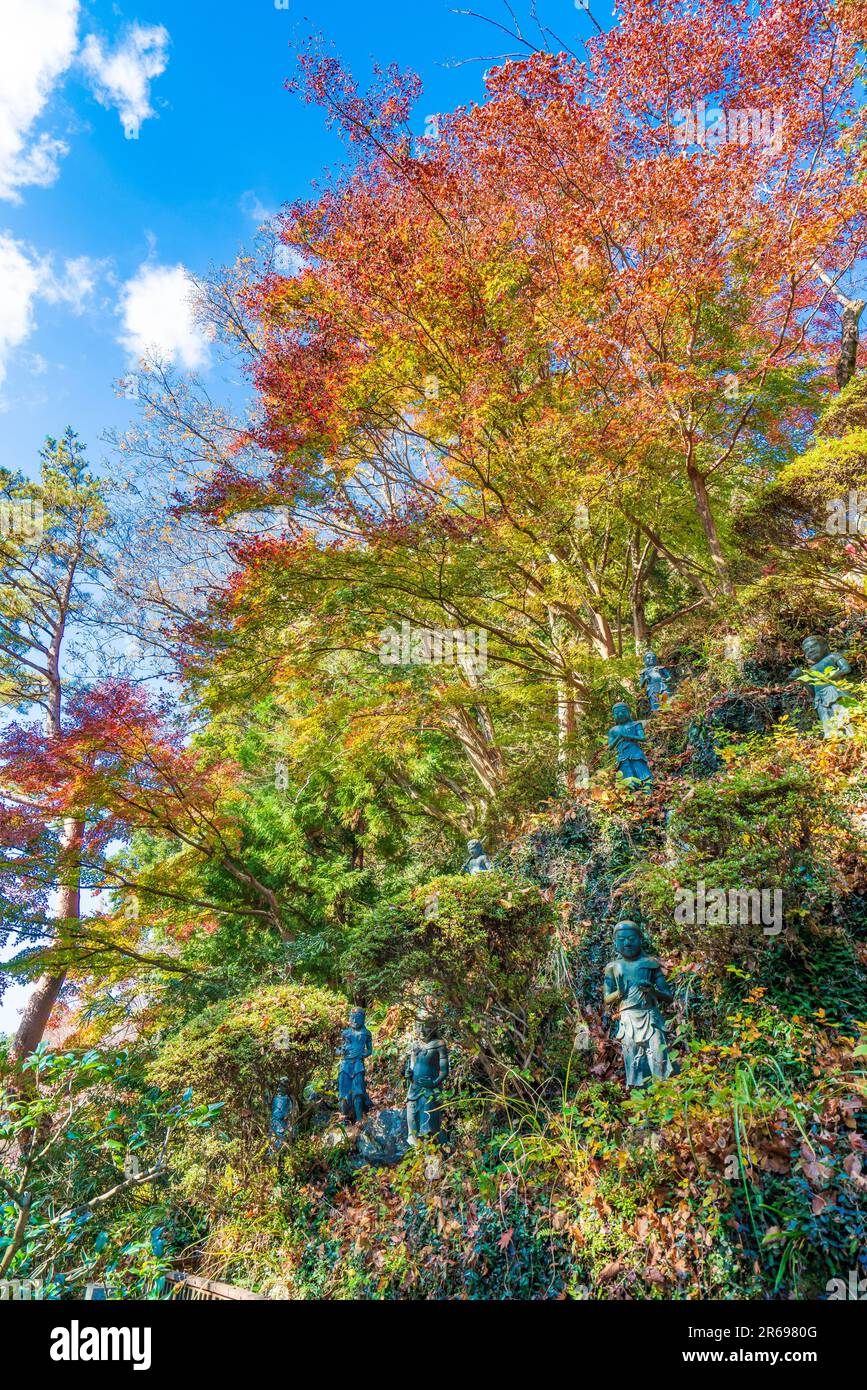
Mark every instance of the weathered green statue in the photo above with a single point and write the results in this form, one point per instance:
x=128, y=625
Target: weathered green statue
x=827, y=697
x=626, y=739
x=635, y=986
x=654, y=681
x=427, y=1068
x=351, y=1081
x=478, y=862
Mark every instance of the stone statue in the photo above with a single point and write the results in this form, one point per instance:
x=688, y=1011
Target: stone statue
x=827, y=697
x=478, y=862
x=626, y=739
x=635, y=986
x=427, y=1068
x=654, y=681
x=351, y=1081
x=281, y=1110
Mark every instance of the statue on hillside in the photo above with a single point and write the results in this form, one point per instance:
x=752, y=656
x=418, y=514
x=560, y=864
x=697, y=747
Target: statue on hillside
x=635, y=986
x=827, y=697
x=478, y=862
x=281, y=1112
x=654, y=681
x=427, y=1067
x=352, y=1094
x=626, y=739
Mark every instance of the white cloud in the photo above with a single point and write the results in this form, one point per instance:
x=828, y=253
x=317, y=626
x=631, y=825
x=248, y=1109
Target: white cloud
x=25, y=278
x=121, y=76
x=20, y=278
x=35, y=363
x=76, y=283
x=158, y=308
x=252, y=206
x=39, y=42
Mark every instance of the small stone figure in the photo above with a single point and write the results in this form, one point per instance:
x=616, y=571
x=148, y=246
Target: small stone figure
x=626, y=739
x=351, y=1081
x=281, y=1109
x=827, y=698
x=634, y=986
x=427, y=1068
x=654, y=680
x=478, y=862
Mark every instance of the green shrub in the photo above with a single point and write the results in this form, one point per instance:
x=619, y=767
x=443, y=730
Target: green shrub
x=761, y=825
x=476, y=946
x=241, y=1050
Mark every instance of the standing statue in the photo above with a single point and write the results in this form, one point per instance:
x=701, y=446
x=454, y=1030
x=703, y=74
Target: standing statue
x=827, y=698
x=281, y=1110
x=478, y=862
x=654, y=681
x=427, y=1068
x=635, y=986
x=351, y=1080
x=626, y=739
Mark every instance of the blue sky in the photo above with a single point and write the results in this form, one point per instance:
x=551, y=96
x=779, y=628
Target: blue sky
x=140, y=141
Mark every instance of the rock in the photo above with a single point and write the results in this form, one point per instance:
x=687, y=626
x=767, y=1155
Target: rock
x=384, y=1138
x=433, y=1169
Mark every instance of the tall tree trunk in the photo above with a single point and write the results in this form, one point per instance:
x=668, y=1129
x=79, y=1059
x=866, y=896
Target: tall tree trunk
x=38, y=1009
x=850, y=314
x=358, y=827
x=852, y=311
x=565, y=712
x=477, y=740
x=703, y=507
x=640, y=563
x=565, y=736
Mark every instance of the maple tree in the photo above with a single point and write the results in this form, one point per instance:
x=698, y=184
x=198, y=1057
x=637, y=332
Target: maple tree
x=531, y=366
x=116, y=769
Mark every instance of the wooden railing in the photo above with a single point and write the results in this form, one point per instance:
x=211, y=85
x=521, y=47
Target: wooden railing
x=190, y=1286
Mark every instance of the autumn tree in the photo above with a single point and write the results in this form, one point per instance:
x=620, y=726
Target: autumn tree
x=530, y=367
x=48, y=570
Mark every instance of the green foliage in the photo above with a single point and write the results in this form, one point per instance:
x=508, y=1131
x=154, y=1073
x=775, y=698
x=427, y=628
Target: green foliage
x=86, y=1148
x=759, y=825
x=238, y=1052
x=475, y=946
